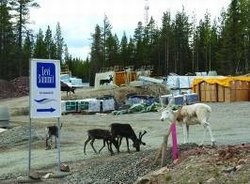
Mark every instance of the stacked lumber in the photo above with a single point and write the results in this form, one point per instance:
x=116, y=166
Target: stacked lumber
x=222, y=89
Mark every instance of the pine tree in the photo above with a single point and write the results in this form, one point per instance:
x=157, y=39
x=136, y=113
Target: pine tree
x=40, y=47
x=96, y=54
x=151, y=36
x=21, y=8
x=27, y=52
x=138, y=41
x=8, y=46
x=107, y=27
x=112, y=50
x=165, y=45
x=49, y=44
x=182, y=52
x=124, y=57
x=59, y=42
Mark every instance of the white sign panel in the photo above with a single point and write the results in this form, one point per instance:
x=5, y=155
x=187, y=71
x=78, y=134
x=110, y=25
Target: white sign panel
x=45, y=92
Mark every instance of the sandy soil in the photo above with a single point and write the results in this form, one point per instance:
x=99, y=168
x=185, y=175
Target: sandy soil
x=230, y=123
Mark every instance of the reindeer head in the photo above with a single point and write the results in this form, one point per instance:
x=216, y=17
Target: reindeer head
x=115, y=142
x=138, y=142
x=73, y=89
x=167, y=114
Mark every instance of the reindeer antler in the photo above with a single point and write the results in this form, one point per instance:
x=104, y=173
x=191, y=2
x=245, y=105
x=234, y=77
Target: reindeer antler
x=142, y=134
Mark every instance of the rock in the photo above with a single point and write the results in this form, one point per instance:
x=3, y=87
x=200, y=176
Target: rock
x=64, y=168
x=242, y=161
x=159, y=176
x=229, y=169
x=48, y=175
x=35, y=176
x=211, y=180
x=239, y=167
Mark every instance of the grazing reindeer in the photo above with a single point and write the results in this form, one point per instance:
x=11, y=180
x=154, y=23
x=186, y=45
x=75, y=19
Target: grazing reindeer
x=105, y=135
x=190, y=115
x=187, y=115
x=125, y=130
x=67, y=88
x=51, y=131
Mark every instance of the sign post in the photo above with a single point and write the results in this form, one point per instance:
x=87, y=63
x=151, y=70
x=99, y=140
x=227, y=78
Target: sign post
x=45, y=94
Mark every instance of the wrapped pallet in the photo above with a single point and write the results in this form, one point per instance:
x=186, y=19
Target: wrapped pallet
x=108, y=105
x=89, y=105
x=191, y=98
x=69, y=106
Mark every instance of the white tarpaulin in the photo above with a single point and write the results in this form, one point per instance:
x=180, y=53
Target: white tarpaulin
x=179, y=82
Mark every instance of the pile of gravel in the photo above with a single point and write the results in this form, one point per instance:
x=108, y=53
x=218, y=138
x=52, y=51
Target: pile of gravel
x=16, y=136
x=124, y=168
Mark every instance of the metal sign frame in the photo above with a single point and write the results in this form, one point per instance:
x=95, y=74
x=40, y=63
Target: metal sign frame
x=44, y=96
x=45, y=92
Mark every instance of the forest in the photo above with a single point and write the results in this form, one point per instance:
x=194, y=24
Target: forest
x=181, y=44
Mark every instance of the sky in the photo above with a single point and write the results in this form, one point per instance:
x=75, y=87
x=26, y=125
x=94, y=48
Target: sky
x=78, y=18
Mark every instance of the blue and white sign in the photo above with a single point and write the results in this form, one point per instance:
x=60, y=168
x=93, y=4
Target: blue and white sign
x=45, y=92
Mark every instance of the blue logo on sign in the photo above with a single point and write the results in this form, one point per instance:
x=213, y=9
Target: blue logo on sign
x=46, y=75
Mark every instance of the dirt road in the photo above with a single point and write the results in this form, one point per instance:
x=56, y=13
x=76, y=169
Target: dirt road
x=230, y=123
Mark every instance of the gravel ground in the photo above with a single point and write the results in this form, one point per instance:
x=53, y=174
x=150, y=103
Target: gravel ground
x=229, y=122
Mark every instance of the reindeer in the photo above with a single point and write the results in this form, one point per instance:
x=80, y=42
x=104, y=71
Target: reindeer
x=106, y=81
x=125, y=130
x=67, y=88
x=51, y=131
x=187, y=115
x=105, y=135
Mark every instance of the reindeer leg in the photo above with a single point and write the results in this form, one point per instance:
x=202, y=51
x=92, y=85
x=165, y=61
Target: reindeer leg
x=187, y=126
x=128, y=145
x=110, y=147
x=115, y=143
x=55, y=141
x=119, y=143
x=204, y=135
x=92, y=145
x=208, y=128
x=46, y=142
x=85, y=144
x=103, y=145
x=184, y=129
x=51, y=142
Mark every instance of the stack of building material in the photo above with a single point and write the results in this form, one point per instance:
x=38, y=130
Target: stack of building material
x=89, y=105
x=187, y=99
x=191, y=98
x=124, y=77
x=222, y=89
x=69, y=106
